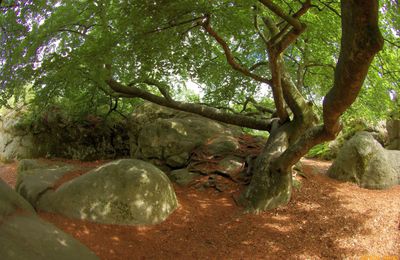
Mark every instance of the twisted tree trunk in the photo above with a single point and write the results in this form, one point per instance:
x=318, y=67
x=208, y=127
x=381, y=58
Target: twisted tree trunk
x=361, y=39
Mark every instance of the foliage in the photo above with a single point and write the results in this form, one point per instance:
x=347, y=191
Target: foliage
x=321, y=151
x=61, y=48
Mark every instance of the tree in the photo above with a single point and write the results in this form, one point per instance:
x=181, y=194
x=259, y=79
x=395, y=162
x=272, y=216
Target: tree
x=132, y=49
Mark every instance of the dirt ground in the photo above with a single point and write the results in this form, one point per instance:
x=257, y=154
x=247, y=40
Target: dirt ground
x=325, y=219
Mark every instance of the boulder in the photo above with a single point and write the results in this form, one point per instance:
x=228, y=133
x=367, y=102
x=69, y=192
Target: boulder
x=36, y=177
x=222, y=145
x=364, y=161
x=126, y=191
x=25, y=236
x=183, y=177
x=231, y=166
x=53, y=133
x=377, y=130
x=174, y=135
x=11, y=202
x=16, y=142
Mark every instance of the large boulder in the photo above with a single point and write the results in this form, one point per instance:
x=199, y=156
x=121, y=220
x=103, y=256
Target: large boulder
x=126, y=191
x=377, y=130
x=16, y=142
x=364, y=161
x=11, y=202
x=25, y=236
x=170, y=136
x=35, y=177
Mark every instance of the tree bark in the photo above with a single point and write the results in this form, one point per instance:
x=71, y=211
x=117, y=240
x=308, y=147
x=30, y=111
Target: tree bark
x=269, y=188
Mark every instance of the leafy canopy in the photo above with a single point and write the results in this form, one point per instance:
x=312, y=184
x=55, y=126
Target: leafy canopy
x=61, y=48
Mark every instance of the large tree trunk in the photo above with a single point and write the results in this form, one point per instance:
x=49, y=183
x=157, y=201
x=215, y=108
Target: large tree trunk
x=269, y=188
x=361, y=40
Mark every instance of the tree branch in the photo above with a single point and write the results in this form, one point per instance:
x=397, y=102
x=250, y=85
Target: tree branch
x=163, y=88
x=172, y=25
x=288, y=39
x=276, y=71
x=229, y=56
x=296, y=31
x=330, y=8
x=71, y=31
x=209, y=112
x=279, y=12
x=258, y=64
x=260, y=108
x=283, y=87
x=392, y=43
x=260, y=33
x=361, y=40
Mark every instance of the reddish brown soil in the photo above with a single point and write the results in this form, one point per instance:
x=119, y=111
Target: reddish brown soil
x=326, y=219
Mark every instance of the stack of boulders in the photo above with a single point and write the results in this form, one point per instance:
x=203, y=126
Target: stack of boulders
x=186, y=145
x=162, y=134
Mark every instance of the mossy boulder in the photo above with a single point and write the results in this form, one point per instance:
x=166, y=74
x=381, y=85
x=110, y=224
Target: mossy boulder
x=35, y=177
x=364, y=161
x=126, y=191
x=222, y=145
x=15, y=141
x=23, y=235
x=170, y=136
x=173, y=140
x=11, y=202
x=54, y=133
x=183, y=177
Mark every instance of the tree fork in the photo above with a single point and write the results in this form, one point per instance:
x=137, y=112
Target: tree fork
x=361, y=40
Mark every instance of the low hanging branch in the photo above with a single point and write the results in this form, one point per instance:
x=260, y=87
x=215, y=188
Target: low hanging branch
x=208, y=112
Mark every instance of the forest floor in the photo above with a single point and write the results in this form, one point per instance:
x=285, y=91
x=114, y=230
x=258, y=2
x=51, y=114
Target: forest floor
x=325, y=219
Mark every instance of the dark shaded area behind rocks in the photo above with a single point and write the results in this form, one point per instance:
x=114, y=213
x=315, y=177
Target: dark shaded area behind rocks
x=55, y=134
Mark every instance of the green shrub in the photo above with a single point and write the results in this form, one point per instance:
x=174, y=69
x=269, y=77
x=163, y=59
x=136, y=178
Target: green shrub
x=321, y=151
